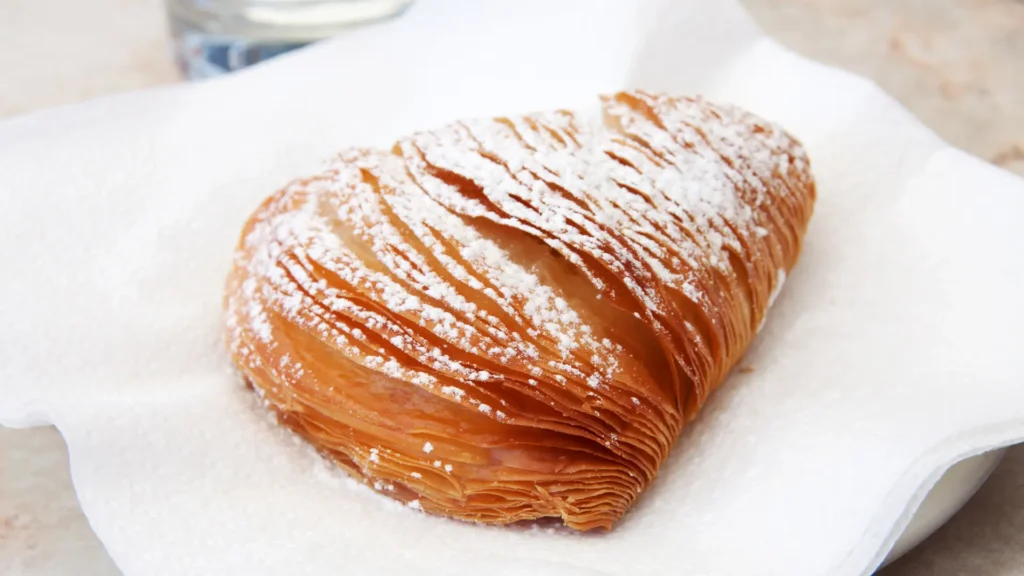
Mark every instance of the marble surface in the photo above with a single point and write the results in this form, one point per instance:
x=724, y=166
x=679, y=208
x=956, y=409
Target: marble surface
x=957, y=64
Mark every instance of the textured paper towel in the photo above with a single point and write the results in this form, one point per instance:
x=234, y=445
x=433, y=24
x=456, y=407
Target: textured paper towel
x=889, y=355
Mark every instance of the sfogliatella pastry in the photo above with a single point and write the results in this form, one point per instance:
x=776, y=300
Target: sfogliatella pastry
x=510, y=319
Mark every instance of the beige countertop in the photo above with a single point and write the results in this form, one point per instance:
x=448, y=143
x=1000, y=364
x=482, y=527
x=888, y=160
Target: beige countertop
x=957, y=64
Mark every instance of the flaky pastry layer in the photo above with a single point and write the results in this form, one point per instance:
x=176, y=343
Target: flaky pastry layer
x=510, y=319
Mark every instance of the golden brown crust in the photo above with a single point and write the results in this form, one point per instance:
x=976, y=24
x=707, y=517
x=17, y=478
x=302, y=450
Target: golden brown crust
x=509, y=319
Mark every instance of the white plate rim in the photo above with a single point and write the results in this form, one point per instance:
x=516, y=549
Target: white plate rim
x=956, y=486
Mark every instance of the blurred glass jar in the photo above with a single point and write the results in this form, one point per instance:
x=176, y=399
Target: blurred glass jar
x=212, y=37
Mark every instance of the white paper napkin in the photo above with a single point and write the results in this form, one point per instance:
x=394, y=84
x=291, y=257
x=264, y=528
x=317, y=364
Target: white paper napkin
x=892, y=352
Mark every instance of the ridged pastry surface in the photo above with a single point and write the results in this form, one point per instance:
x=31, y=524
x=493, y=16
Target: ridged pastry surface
x=509, y=319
